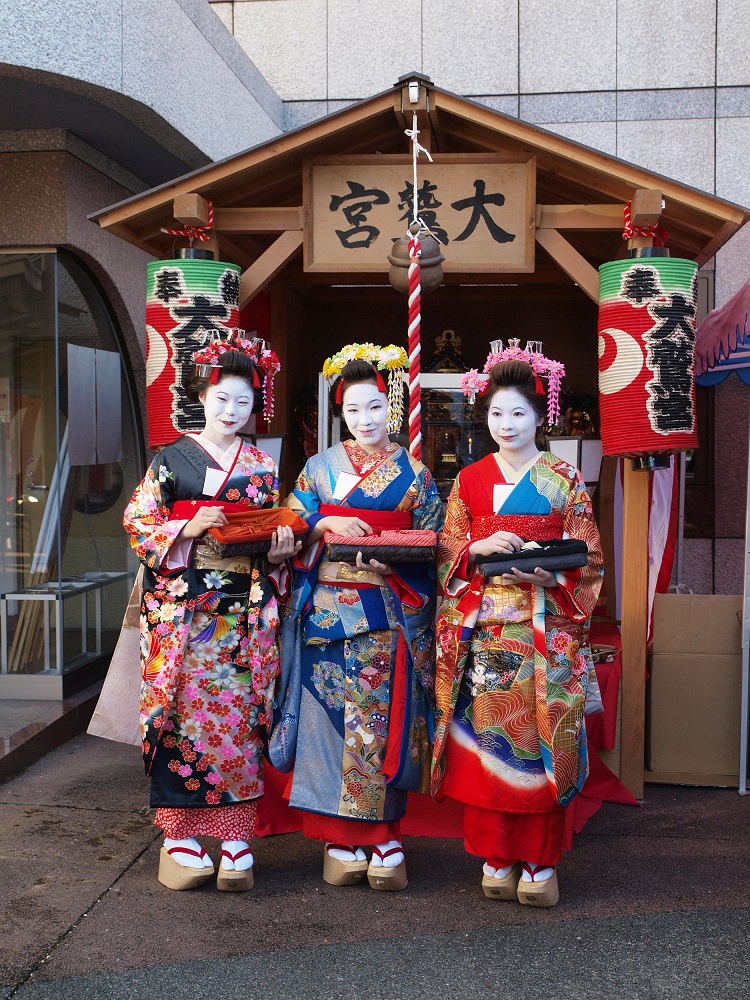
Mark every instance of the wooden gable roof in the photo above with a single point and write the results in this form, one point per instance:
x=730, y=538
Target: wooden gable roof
x=580, y=192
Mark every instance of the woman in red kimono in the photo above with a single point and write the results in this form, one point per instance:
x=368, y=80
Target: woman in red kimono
x=514, y=670
x=209, y=631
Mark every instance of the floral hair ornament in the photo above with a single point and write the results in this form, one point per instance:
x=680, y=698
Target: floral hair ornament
x=473, y=382
x=206, y=361
x=390, y=359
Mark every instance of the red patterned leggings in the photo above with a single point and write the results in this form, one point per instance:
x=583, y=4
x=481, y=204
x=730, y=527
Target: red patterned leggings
x=235, y=822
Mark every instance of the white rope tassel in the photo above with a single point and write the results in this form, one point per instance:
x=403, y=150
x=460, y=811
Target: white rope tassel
x=416, y=149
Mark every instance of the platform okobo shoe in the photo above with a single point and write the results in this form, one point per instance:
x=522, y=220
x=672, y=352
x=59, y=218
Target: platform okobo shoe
x=383, y=878
x=231, y=880
x=338, y=872
x=176, y=876
x=534, y=893
x=502, y=888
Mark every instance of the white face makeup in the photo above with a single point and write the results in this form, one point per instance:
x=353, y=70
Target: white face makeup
x=227, y=407
x=512, y=423
x=365, y=412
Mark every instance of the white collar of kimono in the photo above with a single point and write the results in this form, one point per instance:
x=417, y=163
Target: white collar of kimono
x=515, y=475
x=224, y=458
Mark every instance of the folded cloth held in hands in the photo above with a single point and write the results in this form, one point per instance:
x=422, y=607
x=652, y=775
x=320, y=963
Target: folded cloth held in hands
x=256, y=525
x=387, y=546
x=554, y=554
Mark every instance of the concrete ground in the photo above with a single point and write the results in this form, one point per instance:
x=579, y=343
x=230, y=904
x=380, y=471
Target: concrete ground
x=655, y=903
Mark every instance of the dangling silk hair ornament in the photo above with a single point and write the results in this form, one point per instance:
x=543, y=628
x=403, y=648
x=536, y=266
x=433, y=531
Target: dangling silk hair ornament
x=206, y=361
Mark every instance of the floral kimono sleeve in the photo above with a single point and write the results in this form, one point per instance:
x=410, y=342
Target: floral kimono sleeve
x=577, y=590
x=146, y=517
x=453, y=548
x=427, y=513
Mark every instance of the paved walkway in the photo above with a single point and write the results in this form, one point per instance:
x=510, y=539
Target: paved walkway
x=655, y=904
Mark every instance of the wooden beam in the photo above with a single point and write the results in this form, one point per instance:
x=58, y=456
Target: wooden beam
x=190, y=209
x=257, y=220
x=579, y=217
x=575, y=266
x=544, y=274
x=634, y=627
x=718, y=241
x=268, y=265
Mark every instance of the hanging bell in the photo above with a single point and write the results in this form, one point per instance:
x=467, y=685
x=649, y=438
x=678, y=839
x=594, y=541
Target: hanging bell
x=430, y=261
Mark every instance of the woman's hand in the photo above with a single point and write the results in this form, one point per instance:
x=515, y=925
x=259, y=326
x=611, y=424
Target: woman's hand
x=283, y=545
x=501, y=541
x=205, y=518
x=540, y=577
x=355, y=527
x=373, y=565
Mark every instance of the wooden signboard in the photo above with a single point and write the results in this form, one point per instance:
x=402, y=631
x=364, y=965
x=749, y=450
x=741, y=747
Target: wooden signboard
x=480, y=206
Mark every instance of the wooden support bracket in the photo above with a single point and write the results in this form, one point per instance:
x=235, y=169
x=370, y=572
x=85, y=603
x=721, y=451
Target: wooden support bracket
x=190, y=209
x=567, y=257
x=645, y=210
x=404, y=110
x=645, y=207
x=268, y=265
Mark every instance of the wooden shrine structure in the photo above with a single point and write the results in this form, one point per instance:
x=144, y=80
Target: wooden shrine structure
x=281, y=211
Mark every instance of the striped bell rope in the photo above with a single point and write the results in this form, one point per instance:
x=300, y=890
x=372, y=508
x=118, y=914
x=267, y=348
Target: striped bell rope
x=415, y=350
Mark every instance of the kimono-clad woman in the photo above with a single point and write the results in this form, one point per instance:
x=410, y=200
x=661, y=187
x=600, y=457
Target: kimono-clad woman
x=364, y=633
x=209, y=630
x=514, y=670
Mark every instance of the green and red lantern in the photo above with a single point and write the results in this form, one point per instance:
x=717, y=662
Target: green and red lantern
x=185, y=299
x=647, y=355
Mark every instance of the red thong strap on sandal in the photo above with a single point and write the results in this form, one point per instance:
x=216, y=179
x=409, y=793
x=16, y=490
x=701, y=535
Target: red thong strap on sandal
x=235, y=857
x=535, y=869
x=351, y=848
x=187, y=850
x=387, y=854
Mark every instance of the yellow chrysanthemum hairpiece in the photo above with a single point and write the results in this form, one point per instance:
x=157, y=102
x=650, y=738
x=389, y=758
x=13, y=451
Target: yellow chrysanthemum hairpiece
x=392, y=359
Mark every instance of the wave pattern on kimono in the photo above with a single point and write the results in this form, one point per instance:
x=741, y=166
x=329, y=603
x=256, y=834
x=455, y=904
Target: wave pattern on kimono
x=367, y=649
x=209, y=627
x=514, y=672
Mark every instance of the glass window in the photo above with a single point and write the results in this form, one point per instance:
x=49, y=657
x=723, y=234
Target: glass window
x=66, y=564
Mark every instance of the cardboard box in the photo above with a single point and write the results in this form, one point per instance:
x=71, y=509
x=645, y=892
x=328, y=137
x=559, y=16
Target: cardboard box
x=694, y=690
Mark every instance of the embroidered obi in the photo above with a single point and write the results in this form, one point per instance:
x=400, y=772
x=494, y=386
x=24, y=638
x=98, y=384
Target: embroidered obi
x=532, y=527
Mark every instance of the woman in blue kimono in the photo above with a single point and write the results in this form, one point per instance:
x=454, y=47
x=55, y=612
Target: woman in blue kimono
x=363, y=634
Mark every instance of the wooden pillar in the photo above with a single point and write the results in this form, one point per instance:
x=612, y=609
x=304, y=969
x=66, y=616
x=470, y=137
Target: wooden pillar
x=646, y=207
x=634, y=628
